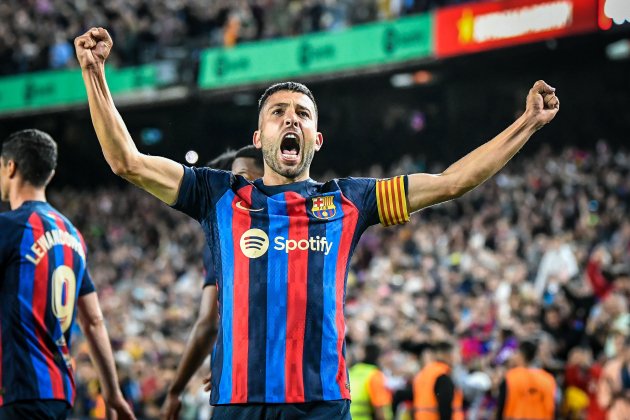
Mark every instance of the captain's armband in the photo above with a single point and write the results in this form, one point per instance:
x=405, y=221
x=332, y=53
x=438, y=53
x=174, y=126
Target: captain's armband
x=391, y=199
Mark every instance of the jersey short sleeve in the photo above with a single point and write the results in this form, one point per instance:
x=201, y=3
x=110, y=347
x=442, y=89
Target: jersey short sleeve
x=199, y=190
x=87, y=285
x=210, y=279
x=381, y=201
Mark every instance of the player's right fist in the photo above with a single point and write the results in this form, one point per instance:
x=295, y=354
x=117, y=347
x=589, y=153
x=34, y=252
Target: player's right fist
x=93, y=47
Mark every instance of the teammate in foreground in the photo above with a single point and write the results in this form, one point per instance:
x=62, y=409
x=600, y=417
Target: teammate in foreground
x=282, y=244
x=43, y=280
x=247, y=162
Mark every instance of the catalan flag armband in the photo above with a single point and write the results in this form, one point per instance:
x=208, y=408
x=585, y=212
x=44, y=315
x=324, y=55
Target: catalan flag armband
x=391, y=199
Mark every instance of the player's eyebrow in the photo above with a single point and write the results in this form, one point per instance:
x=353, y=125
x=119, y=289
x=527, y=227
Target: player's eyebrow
x=285, y=105
x=304, y=107
x=279, y=105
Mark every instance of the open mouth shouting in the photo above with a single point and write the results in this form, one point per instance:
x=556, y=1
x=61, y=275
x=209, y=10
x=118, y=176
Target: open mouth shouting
x=290, y=148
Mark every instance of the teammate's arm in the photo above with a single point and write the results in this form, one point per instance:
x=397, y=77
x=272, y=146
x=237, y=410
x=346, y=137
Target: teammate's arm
x=477, y=166
x=157, y=175
x=93, y=327
x=199, y=343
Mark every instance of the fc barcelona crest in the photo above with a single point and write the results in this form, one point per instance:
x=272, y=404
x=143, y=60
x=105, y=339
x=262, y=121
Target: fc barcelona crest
x=324, y=207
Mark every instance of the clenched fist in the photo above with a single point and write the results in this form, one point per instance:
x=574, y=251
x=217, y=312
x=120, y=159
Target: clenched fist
x=542, y=103
x=93, y=47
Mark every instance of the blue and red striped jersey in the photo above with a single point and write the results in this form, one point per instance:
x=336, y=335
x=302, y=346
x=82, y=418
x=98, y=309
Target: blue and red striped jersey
x=281, y=255
x=42, y=273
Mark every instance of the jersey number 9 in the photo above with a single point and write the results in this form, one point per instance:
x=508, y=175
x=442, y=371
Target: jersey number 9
x=64, y=284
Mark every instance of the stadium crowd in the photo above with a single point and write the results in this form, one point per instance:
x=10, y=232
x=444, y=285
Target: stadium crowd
x=541, y=252
x=150, y=30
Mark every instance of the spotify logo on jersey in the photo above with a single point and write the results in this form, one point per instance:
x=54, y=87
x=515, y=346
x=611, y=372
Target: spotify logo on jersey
x=254, y=243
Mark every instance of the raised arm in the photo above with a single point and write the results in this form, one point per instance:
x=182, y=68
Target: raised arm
x=477, y=166
x=157, y=175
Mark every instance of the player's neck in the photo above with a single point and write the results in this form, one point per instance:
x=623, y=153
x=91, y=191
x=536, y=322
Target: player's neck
x=24, y=193
x=271, y=178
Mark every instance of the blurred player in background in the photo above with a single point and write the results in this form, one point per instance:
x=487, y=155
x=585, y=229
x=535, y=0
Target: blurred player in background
x=43, y=280
x=435, y=396
x=371, y=400
x=526, y=392
x=247, y=162
x=283, y=243
x=223, y=161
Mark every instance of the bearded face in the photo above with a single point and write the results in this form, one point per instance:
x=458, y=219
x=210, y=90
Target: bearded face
x=288, y=135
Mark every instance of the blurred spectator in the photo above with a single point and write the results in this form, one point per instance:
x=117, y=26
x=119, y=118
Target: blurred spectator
x=599, y=259
x=614, y=385
x=61, y=53
x=577, y=377
x=558, y=262
x=37, y=34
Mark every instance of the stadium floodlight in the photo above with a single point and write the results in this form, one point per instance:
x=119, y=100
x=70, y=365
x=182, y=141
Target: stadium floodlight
x=192, y=157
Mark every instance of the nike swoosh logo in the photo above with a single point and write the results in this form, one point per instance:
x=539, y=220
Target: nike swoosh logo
x=240, y=206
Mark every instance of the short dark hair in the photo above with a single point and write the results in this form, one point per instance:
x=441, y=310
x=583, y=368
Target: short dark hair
x=528, y=349
x=251, y=152
x=223, y=161
x=34, y=153
x=291, y=87
x=442, y=346
x=372, y=353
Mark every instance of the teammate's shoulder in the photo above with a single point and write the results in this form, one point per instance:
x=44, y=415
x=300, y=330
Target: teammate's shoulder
x=63, y=217
x=47, y=211
x=10, y=217
x=5, y=217
x=12, y=223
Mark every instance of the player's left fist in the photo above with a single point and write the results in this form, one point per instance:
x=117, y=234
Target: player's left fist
x=93, y=47
x=542, y=103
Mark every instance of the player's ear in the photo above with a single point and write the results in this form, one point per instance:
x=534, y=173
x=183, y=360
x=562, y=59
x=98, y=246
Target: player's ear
x=319, y=141
x=256, y=140
x=52, y=174
x=12, y=168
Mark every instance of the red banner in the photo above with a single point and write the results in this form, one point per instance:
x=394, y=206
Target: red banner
x=494, y=24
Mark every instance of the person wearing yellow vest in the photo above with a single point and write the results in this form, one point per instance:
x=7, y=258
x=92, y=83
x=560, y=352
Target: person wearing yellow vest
x=435, y=396
x=526, y=393
x=371, y=400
